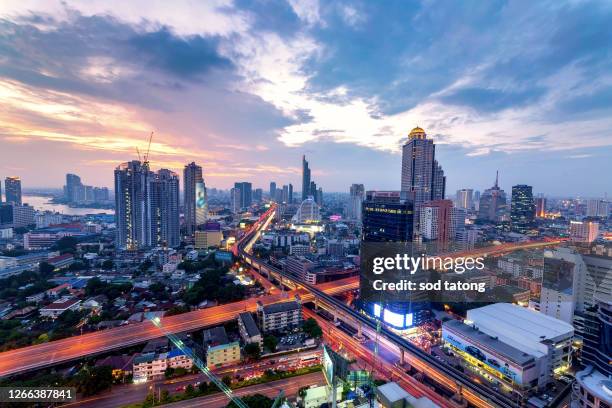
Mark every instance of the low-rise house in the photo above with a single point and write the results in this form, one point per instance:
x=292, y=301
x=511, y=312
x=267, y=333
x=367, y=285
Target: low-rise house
x=219, y=350
x=61, y=261
x=121, y=365
x=153, y=366
x=279, y=316
x=60, y=306
x=36, y=298
x=248, y=329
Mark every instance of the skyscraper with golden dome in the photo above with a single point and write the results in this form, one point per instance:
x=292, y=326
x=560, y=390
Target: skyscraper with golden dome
x=422, y=176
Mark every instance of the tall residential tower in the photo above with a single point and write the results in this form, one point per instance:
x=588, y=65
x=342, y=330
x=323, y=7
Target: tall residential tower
x=422, y=177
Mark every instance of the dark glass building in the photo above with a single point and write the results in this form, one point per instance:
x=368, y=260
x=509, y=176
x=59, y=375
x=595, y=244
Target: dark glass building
x=12, y=190
x=597, y=342
x=245, y=190
x=522, y=212
x=388, y=217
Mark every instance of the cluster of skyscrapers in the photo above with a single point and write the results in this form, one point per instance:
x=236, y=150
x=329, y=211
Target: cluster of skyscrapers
x=309, y=187
x=77, y=193
x=281, y=195
x=147, y=204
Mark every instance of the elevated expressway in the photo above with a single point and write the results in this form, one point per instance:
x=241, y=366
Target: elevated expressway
x=475, y=394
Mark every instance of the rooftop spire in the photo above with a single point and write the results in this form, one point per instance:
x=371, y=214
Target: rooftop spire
x=496, y=178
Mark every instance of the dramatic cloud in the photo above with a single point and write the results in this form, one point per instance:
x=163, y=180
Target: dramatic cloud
x=246, y=87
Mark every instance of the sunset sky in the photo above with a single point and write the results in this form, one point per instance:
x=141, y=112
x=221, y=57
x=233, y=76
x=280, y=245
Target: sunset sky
x=245, y=88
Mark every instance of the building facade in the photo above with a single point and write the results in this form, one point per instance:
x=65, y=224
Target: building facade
x=279, y=316
x=422, y=177
x=522, y=210
x=194, y=200
x=12, y=190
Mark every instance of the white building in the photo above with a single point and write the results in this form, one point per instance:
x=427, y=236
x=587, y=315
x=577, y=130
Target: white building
x=248, y=329
x=583, y=231
x=279, y=316
x=60, y=306
x=543, y=337
x=299, y=249
x=153, y=366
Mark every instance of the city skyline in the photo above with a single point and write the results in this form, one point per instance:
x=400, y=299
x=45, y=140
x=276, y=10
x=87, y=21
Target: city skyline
x=295, y=86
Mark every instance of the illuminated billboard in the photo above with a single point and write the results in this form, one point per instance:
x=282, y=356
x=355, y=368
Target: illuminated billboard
x=201, y=203
x=200, y=195
x=397, y=320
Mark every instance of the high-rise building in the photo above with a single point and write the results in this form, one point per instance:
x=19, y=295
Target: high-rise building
x=0, y=191
x=290, y=200
x=258, y=195
x=540, y=207
x=522, y=210
x=492, y=204
x=593, y=385
x=458, y=216
x=597, y=208
x=235, y=200
x=73, y=182
x=246, y=193
x=12, y=190
x=76, y=192
x=146, y=206
x=583, y=231
x=356, y=198
x=436, y=220
x=194, y=199
x=422, y=177
x=597, y=345
x=132, y=205
x=165, y=209
x=272, y=190
x=386, y=217
x=306, y=190
x=464, y=198
x=319, y=196
x=23, y=215
x=285, y=194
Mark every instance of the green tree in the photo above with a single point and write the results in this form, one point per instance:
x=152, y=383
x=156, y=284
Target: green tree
x=169, y=372
x=77, y=266
x=108, y=264
x=227, y=380
x=66, y=244
x=254, y=401
x=252, y=351
x=312, y=328
x=164, y=396
x=203, y=387
x=45, y=268
x=270, y=342
x=91, y=380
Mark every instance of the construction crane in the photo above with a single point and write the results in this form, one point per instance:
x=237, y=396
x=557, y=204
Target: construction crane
x=146, y=155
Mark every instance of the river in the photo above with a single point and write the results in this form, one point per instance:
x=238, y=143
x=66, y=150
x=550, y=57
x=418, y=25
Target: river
x=44, y=204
